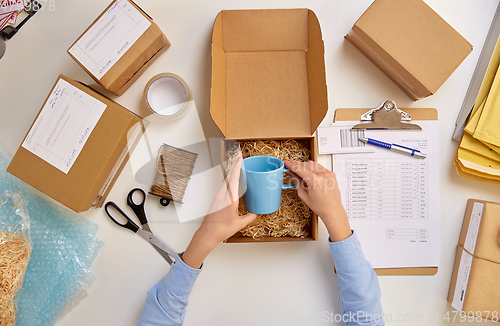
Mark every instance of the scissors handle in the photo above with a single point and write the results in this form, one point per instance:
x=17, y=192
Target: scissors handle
x=138, y=208
x=129, y=224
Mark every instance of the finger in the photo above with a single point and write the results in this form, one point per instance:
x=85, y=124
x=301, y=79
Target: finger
x=248, y=218
x=299, y=184
x=233, y=178
x=316, y=167
x=300, y=168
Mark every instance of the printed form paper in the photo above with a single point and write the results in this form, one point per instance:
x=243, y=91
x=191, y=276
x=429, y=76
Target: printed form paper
x=392, y=199
x=63, y=126
x=110, y=37
x=338, y=138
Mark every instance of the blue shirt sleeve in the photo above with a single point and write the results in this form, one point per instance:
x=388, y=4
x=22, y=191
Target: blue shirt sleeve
x=167, y=300
x=359, y=291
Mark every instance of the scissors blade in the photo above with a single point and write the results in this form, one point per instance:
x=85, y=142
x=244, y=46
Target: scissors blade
x=145, y=227
x=157, y=243
x=164, y=254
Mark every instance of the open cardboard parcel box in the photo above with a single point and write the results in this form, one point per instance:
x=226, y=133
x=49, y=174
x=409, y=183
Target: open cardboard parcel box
x=268, y=81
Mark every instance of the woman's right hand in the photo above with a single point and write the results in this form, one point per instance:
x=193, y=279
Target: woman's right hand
x=318, y=188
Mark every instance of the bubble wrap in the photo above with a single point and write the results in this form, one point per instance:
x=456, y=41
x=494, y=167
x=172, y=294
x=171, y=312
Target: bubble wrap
x=64, y=247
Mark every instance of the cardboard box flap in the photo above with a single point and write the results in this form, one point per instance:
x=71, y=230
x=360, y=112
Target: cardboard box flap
x=268, y=74
x=265, y=30
x=318, y=93
x=218, y=98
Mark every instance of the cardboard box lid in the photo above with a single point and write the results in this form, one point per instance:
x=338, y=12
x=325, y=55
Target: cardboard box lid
x=84, y=182
x=486, y=233
x=416, y=37
x=268, y=73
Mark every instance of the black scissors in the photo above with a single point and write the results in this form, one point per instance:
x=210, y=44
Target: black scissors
x=164, y=250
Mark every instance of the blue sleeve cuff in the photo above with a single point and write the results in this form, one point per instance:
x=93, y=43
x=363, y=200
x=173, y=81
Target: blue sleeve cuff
x=181, y=277
x=347, y=254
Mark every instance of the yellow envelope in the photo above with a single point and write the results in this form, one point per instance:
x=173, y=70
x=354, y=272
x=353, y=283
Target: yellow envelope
x=463, y=171
x=466, y=173
x=487, y=129
x=480, y=163
x=470, y=143
x=471, y=125
x=493, y=147
x=488, y=78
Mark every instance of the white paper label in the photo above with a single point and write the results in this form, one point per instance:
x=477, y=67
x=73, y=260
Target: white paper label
x=462, y=280
x=475, y=222
x=110, y=37
x=339, y=138
x=63, y=126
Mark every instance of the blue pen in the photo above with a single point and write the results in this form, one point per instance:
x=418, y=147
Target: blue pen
x=394, y=147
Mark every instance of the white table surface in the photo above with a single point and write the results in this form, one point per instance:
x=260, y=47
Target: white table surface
x=242, y=284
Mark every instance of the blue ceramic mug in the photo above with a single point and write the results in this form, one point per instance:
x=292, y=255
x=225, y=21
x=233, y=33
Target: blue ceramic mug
x=263, y=177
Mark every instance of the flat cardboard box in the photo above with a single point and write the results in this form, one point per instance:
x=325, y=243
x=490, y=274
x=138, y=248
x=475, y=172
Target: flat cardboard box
x=410, y=43
x=136, y=59
x=98, y=165
x=268, y=80
x=474, y=284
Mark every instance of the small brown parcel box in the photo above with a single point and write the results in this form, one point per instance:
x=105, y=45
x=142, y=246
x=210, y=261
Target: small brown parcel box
x=119, y=46
x=268, y=81
x=77, y=145
x=475, y=285
x=410, y=43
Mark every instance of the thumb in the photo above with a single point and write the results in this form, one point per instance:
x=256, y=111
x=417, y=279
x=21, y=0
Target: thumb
x=248, y=218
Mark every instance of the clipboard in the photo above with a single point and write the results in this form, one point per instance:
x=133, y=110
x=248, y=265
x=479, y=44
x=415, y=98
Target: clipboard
x=416, y=114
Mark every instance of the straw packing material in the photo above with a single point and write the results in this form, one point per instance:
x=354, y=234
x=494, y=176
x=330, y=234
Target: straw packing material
x=167, y=95
x=294, y=215
x=174, y=167
x=14, y=257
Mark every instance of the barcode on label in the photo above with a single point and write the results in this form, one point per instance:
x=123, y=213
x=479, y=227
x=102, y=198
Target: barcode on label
x=350, y=138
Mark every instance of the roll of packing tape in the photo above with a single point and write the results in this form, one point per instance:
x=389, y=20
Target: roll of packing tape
x=167, y=95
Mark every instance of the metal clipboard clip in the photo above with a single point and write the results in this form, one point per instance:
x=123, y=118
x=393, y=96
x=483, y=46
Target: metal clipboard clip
x=387, y=117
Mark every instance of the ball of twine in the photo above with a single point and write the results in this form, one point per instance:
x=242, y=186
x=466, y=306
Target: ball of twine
x=174, y=167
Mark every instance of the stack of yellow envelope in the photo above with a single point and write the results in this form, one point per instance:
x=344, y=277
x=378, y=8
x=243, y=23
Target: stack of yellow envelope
x=478, y=156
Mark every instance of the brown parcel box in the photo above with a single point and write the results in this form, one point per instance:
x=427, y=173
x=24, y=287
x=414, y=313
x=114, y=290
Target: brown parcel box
x=135, y=60
x=268, y=80
x=98, y=165
x=475, y=280
x=410, y=43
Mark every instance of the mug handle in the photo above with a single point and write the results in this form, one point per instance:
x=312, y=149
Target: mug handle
x=287, y=186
